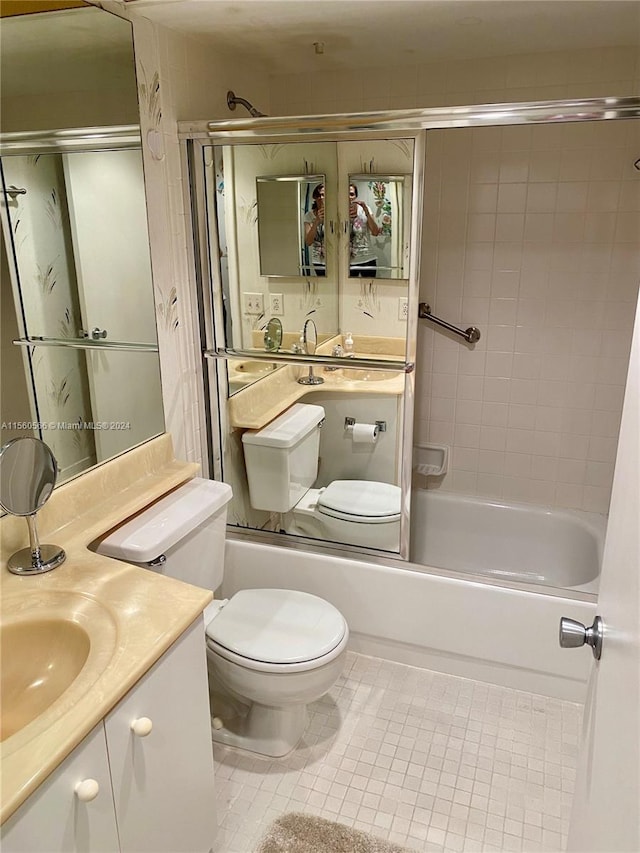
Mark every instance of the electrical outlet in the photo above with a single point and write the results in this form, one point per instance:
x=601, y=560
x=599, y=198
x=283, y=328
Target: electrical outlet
x=403, y=308
x=276, y=304
x=253, y=303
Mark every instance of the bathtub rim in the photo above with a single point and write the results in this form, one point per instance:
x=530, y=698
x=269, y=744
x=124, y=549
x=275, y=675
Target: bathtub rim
x=300, y=543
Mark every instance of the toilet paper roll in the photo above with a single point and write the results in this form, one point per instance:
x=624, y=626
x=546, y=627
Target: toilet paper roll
x=365, y=433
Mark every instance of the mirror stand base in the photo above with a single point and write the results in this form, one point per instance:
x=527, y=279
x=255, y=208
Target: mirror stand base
x=26, y=562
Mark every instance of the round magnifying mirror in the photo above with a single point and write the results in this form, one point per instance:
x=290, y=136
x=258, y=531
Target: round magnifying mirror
x=28, y=473
x=273, y=335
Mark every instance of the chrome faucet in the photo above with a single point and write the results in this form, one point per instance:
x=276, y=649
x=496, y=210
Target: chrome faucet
x=336, y=352
x=309, y=343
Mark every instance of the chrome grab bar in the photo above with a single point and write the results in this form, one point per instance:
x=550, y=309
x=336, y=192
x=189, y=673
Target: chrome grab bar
x=472, y=334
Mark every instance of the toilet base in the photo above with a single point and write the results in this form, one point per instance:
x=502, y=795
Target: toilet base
x=263, y=729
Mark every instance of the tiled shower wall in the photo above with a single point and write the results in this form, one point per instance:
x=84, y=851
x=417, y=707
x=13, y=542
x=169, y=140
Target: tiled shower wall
x=531, y=234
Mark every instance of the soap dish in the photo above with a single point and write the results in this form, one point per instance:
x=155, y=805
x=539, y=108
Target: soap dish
x=431, y=460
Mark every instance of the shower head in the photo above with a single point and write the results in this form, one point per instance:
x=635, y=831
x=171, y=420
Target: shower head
x=233, y=101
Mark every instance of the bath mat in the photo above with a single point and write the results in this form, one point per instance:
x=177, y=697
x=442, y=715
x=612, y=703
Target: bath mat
x=302, y=833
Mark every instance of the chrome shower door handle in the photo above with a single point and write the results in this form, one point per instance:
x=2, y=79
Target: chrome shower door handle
x=574, y=634
x=97, y=333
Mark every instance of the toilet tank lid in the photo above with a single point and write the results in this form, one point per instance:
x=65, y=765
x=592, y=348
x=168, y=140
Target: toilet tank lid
x=157, y=528
x=288, y=428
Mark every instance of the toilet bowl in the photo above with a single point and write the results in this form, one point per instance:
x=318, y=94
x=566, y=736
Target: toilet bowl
x=277, y=650
x=269, y=651
x=359, y=512
x=281, y=460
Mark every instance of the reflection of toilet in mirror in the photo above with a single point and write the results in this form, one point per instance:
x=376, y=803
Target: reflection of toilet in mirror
x=282, y=465
x=270, y=652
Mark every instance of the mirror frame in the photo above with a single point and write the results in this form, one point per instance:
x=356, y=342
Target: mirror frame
x=287, y=180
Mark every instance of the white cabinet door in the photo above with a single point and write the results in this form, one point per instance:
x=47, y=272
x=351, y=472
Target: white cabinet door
x=163, y=782
x=56, y=820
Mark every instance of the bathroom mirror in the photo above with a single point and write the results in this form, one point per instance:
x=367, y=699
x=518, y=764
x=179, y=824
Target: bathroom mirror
x=74, y=261
x=349, y=334
x=28, y=473
x=290, y=212
x=74, y=241
x=386, y=200
x=282, y=241
x=257, y=197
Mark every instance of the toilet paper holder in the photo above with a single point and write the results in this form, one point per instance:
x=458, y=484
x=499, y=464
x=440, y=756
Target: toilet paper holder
x=350, y=422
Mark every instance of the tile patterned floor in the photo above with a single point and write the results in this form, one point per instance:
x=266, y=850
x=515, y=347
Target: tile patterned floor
x=432, y=762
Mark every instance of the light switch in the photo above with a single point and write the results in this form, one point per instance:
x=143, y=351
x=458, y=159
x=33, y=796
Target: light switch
x=253, y=303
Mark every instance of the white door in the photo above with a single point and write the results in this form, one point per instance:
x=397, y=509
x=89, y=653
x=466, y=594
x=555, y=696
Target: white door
x=606, y=808
x=107, y=211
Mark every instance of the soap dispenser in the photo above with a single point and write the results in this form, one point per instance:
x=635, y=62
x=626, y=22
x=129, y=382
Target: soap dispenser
x=348, y=345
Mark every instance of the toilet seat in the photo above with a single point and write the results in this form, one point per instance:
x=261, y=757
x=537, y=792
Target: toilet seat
x=277, y=630
x=361, y=501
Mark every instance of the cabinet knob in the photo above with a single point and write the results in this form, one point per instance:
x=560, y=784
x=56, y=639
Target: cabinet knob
x=87, y=790
x=142, y=726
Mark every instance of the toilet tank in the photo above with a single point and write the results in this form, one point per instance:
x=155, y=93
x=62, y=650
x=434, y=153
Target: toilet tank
x=187, y=527
x=282, y=458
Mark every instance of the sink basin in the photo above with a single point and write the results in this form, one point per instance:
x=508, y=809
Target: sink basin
x=255, y=368
x=54, y=646
x=40, y=659
x=369, y=375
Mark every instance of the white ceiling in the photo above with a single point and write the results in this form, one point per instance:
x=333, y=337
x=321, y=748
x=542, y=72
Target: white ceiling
x=280, y=33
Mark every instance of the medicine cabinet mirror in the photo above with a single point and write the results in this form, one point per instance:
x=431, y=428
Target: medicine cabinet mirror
x=76, y=271
x=287, y=208
x=287, y=240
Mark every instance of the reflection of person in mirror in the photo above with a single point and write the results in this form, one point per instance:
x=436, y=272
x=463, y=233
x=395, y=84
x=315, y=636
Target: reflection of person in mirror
x=363, y=260
x=314, y=231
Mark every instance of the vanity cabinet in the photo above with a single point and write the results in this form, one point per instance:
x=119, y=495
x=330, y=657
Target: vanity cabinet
x=154, y=788
x=54, y=819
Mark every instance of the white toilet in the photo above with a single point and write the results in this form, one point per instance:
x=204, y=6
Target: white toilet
x=269, y=651
x=282, y=464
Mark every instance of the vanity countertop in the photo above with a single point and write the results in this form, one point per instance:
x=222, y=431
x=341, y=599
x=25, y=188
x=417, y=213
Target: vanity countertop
x=258, y=404
x=142, y=612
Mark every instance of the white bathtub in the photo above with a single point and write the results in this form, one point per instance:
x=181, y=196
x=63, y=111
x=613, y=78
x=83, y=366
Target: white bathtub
x=507, y=541
x=415, y=615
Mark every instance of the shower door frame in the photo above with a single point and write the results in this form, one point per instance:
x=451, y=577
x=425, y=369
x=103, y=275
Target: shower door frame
x=195, y=135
